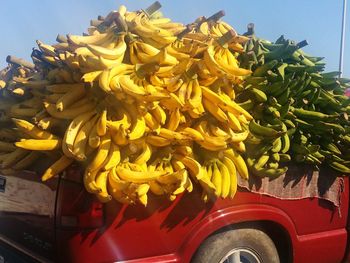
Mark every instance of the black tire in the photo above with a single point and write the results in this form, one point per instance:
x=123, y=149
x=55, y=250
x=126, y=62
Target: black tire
x=216, y=247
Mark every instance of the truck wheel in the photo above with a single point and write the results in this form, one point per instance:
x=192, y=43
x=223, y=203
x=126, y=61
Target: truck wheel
x=237, y=246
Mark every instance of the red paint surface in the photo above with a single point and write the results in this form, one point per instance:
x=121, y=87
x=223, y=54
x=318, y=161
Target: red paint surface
x=167, y=231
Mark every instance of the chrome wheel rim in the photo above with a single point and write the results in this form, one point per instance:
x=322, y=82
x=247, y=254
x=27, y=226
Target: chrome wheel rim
x=241, y=255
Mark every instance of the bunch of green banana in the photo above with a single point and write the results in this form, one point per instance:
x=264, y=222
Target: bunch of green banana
x=288, y=91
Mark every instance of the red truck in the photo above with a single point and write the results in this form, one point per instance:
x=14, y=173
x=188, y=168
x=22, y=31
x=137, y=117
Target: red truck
x=59, y=222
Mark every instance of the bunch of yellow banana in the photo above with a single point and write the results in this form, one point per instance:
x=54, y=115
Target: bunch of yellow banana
x=135, y=101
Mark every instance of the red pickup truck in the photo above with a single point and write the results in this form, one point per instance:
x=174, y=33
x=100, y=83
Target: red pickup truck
x=59, y=222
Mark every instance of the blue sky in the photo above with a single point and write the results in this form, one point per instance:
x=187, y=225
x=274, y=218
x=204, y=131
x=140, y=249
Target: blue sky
x=319, y=21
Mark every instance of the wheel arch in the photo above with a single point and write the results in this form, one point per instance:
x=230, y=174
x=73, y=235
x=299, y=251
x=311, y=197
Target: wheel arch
x=274, y=230
x=273, y=221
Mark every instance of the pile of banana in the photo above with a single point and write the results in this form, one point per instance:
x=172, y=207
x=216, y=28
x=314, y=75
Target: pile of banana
x=144, y=104
x=150, y=106
x=299, y=112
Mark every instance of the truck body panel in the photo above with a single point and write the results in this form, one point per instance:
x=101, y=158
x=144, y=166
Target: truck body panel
x=60, y=221
x=27, y=214
x=167, y=231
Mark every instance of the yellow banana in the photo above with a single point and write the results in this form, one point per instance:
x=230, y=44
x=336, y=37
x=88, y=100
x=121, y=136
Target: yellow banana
x=93, y=139
x=101, y=154
x=233, y=122
x=156, y=188
x=71, y=112
x=73, y=129
x=46, y=49
x=171, y=135
x=193, y=166
x=83, y=40
x=105, y=63
x=205, y=182
x=230, y=64
x=174, y=120
x=70, y=97
x=218, y=113
x=211, y=142
x=151, y=122
x=172, y=178
x=184, y=150
x=39, y=145
x=82, y=138
x=107, y=53
x=143, y=199
x=90, y=183
x=57, y=167
x=145, y=154
x=138, y=128
x=115, y=182
x=91, y=76
x=101, y=124
x=137, y=176
x=215, y=130
x=158, y=141
x=159, y=114
x=113, y=157
x=212, y=146
x=119, y=136
x=31, y=130
x=238, y=161
x=104, y=81
x=226, y=179
x=101, y=182
x=176, y=54
x=217, y=179
x=122, y=10
x=233, y=175
x=130, y=87
x=224, y=104
x=192, y=133
x=175, y=85
x=171, y=103
x=239, y=146
x=238, y=137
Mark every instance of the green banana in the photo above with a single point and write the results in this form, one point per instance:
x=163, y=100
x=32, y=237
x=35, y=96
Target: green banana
x=270, y=172
x=277, y=145
x=312, y=115
x=283, y=98
x=261, y=161
x=247, y=105
x=272, y=165
x=299, y=148
x=261, y=70
x=259, y=95
x=281, y=69
x=285, y=143
x=260, y=130
x=284, y=157
x=255, y=80
x=310, y=159
x=275, y=157
x=331, y=147
x=339, y=167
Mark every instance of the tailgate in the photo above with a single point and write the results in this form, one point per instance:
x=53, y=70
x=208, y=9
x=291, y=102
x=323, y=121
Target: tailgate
x=27, y=209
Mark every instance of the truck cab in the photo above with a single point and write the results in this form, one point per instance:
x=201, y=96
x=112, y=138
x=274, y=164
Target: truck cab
x=60, y=222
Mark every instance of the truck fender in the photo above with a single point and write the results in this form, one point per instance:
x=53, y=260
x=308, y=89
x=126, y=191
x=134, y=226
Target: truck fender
x=230, y=216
